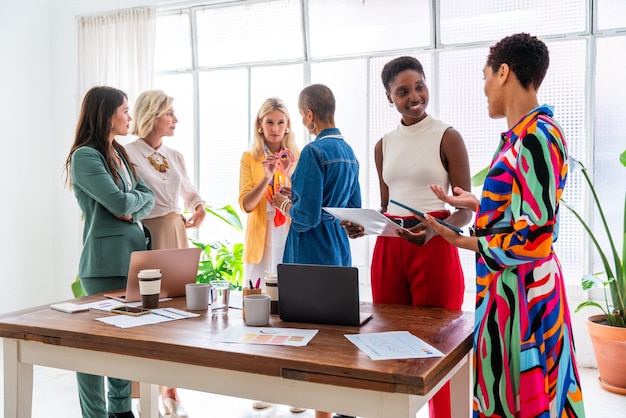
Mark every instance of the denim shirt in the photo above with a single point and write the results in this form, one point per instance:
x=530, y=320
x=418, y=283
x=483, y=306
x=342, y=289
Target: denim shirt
x=327, y=175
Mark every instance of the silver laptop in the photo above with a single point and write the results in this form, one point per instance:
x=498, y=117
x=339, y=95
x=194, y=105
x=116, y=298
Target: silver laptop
x=319, y=294
x=178, y=266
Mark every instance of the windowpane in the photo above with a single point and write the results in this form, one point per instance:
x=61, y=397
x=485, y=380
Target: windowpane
x=223, y=138
x=173, y=42
x=284, y=82
x=351, y=27
x=347, y=79
x=611, y=14
x=251, y=32
x=562, y=88
x=475, y=21
x=608, y=142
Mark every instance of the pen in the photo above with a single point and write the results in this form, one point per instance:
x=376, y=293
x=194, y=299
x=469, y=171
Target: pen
x=258, y=283
x=174, y=312
x=251, y=286
x=160, y=314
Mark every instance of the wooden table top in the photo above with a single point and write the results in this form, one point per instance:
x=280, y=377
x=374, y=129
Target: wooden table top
x=329, y=358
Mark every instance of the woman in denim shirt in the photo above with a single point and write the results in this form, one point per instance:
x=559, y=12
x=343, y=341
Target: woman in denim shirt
x=327, y=175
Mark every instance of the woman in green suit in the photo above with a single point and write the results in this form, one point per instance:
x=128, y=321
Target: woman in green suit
x=113, y=200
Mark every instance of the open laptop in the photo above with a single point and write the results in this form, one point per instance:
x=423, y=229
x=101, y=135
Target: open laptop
x=178, y=266
x=319, y=294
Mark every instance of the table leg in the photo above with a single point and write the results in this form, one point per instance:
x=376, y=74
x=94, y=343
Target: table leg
x=461, y=389
x=149, y=400
x=18, y=382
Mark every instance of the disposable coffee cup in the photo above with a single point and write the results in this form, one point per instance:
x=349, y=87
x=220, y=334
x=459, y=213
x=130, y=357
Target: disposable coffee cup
x=271, y=288
x=257, y=309
x=197, y=296
x=150, y=287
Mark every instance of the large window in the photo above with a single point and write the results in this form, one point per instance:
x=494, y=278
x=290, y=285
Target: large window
x=221, y=61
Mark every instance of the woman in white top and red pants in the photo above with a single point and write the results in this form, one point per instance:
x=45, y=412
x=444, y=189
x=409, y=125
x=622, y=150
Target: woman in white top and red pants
x=417, y=268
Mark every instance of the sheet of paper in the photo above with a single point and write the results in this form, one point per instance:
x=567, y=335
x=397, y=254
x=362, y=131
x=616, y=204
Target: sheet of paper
x=108, y=304
x=269, y=336
x=374, y=222
x=393, y=345
x=155, y=317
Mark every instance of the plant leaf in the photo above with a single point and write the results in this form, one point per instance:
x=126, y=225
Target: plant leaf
x=479, y=178
x=228, y=215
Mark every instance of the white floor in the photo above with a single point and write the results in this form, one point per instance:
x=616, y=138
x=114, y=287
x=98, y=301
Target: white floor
x=55, y=396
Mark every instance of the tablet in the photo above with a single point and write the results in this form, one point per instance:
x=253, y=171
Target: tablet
x=417, y=212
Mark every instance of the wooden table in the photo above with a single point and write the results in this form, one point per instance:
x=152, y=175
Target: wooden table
x=329, y=374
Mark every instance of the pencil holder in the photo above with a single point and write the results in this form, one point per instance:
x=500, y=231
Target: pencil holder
x=248, y=291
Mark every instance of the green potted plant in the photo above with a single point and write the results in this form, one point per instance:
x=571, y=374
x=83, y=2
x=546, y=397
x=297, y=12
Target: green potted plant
x=220, y=260
x=607, y=330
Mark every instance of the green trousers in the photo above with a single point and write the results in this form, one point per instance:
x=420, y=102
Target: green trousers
x=91, y=391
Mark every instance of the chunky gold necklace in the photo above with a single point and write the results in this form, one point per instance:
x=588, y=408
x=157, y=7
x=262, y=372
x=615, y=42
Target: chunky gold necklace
x=161, y=168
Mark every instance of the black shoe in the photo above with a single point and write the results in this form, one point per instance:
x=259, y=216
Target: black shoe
x=127, y=414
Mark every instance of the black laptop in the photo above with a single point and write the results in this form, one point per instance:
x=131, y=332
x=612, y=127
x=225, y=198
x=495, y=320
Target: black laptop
x=319, y=294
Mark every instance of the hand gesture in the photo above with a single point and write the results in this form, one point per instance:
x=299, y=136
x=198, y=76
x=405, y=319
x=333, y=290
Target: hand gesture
x=196, y=219
x=286, y=159
x=269, y=165
x=418, y=235
x=462, y=199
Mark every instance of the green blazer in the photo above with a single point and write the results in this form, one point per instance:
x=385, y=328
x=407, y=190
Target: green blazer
x=108, y=240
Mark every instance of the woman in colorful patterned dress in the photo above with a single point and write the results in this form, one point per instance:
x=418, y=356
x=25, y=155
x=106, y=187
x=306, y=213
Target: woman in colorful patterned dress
x=524, y=363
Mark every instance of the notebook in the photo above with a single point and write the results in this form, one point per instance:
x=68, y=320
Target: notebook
x=178, y=266
x=319, y=294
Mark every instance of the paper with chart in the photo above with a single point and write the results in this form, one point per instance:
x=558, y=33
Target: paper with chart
x=393, y=345
x=268, y=336
x=374, y=222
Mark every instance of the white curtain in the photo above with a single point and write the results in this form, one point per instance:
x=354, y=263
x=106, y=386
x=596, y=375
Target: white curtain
x=117, y=50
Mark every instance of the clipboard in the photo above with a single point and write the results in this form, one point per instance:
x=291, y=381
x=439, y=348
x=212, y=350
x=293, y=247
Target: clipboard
x=417, y=212
x=372, y=221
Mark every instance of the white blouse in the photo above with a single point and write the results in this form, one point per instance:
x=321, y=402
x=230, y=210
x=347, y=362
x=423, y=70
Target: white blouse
x=168, y=186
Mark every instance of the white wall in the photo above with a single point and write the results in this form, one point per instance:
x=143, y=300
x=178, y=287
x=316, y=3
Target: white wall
x=42, y=227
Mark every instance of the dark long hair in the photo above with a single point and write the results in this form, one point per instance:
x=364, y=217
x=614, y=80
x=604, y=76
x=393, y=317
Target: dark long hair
x=94, y=127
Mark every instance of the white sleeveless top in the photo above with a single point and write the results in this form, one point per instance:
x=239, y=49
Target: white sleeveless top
x=411, y=162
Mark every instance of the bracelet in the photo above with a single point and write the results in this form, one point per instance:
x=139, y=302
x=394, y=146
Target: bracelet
x=283, y=205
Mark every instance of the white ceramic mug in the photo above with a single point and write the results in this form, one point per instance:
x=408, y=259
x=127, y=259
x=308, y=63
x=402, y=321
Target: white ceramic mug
x=257, y=309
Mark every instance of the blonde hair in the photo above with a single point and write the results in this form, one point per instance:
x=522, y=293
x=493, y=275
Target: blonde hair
x=288, y=141
x=149, y=105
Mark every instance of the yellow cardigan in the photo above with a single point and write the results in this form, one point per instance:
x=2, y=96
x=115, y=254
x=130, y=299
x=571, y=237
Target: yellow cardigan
x=251, y=172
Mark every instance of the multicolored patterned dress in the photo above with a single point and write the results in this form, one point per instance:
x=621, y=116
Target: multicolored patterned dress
x=524, y=363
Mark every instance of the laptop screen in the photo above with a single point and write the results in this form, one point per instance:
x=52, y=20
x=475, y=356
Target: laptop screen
x=319, y=294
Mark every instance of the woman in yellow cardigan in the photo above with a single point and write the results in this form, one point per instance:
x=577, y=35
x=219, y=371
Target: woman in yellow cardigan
x=265, y=170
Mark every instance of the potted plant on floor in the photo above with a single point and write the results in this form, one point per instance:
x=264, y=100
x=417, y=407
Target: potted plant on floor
x=607, y=330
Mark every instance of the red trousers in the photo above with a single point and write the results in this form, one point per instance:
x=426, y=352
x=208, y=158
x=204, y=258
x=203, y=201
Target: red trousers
x=408, y=274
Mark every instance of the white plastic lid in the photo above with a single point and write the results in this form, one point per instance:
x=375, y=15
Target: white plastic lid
x=149, y=274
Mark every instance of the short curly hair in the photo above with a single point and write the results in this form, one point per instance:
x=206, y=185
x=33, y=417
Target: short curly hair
x=526, y=55
x=396, y=66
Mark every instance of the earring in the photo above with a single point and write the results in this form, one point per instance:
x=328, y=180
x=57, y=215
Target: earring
x=310, y=129
x=112, y=125
x=390, y=104
x=286, y=130
x=260, y=130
